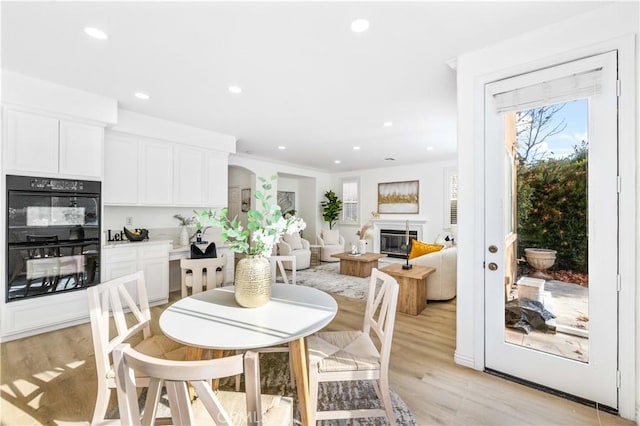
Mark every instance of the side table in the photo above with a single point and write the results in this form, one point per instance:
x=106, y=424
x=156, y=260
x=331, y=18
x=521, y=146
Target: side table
x=412, y=297
x=315, y=254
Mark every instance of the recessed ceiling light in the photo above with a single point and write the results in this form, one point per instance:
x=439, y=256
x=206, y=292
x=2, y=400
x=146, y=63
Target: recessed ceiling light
x=142, y=96
x=388, y=124
x=337, y=161
x=359, y=25
x=356, y=148
x=96, y=33
x=282, y=147
x=429, y=148
x=235, y=89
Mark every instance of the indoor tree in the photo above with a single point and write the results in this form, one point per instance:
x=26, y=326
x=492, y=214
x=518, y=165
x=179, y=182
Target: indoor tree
x=332, y=207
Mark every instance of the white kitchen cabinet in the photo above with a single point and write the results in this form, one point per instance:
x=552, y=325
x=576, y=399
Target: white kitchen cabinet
x=152, y=258
x=156, y=173
x=121, y=157
x=216, y=178
x=39, y=144
x=188, y=176
x=80, y=149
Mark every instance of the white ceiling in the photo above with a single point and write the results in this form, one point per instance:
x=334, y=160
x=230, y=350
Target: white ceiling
x=308, y=82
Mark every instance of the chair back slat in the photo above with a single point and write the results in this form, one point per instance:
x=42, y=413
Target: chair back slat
x=380, y=312
x=175, y=375
x=277, y=266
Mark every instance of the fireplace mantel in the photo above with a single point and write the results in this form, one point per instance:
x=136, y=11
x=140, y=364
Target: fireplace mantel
x=416, y=224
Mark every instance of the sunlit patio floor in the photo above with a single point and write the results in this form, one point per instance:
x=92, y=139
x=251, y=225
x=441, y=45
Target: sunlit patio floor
x=569, y=303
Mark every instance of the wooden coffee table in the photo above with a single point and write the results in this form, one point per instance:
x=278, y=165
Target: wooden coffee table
x=412, y=298
x=358, y=265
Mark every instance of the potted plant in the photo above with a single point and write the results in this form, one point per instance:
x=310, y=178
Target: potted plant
x=332, y=208
x=264, y=229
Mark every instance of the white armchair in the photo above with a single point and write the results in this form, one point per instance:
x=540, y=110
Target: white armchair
x=441, y=285
x=331, y=242
x=294, y=245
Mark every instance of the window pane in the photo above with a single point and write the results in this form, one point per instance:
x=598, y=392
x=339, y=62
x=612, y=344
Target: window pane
x=350, y=201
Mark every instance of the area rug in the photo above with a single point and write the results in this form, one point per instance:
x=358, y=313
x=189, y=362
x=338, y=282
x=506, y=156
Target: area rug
x=275, y=380
x=327, y=277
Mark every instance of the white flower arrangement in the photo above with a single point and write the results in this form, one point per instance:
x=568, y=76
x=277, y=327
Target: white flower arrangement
x=265, y=227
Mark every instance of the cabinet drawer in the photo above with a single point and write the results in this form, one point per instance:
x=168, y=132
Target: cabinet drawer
x=155, y=252
x=120, y=255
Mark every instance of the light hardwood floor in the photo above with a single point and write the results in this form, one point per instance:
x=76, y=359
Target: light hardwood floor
x=51, y=379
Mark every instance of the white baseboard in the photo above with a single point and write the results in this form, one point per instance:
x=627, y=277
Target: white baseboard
x=464, y=360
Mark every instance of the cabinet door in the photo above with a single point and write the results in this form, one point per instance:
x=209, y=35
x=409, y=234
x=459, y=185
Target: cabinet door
x=156, y=172
x=156, y=276
x=120, y=186
x=81, y=149
x=32, y=143
x=216, y=177
x=188, y=176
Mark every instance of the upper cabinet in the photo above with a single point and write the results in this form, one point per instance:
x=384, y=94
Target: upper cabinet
x=45, y=145
x=152, y=172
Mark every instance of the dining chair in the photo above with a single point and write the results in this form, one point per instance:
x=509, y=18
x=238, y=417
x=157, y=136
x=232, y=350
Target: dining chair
x=110, y=326
x=353, y=355
x=224, y=408
x=202, y=274
x=278, y=269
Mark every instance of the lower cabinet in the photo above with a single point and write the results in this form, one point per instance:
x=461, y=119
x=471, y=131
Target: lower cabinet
x=152, y=258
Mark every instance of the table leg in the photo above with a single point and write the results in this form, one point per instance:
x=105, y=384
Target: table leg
x=299, y=356
x=193, y=354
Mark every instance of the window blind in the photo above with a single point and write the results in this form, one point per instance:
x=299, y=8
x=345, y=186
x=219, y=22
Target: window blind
x=564, y=89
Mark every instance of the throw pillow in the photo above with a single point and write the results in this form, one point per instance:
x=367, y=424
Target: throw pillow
x=418, y=248
x=331, y=237
x=293, y=240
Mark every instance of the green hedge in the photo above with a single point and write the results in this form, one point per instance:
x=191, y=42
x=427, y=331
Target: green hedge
x=552, y=209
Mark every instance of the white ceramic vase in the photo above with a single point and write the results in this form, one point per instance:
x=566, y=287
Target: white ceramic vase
x=184, y=237
x=362, y=246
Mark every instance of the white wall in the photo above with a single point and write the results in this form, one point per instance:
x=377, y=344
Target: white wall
x=431, y=197
x=585, y=35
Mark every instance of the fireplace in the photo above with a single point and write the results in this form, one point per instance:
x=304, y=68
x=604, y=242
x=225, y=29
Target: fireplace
x=393, y=242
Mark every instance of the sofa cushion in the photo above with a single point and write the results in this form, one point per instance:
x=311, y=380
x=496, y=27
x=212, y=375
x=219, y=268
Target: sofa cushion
x=293, y=240
x=418, y=248
x=331, y=237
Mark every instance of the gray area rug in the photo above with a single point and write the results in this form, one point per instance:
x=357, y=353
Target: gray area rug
x=326, y=277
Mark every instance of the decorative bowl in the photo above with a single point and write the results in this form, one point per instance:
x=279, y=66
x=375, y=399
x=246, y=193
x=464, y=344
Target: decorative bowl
x=136, y=234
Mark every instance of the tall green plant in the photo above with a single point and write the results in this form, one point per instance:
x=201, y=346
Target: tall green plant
x=332, y=208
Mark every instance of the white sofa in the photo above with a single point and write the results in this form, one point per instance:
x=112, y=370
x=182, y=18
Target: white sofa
x=442, y=284
x=329, y=247
x=294, y=245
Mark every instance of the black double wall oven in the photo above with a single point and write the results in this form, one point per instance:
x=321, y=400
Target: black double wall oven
x=53, y=236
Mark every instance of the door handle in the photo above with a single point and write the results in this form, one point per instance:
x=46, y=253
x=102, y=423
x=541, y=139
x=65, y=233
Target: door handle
x=493, y=266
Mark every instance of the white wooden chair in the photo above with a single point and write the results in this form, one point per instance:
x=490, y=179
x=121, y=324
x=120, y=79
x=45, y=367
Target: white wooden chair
x=224, y=408
x=278, y=269
x=353, y=355
x=107, y=305
x=202, y=274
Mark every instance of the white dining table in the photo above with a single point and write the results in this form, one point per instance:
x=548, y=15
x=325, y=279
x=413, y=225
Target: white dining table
x=214, y=320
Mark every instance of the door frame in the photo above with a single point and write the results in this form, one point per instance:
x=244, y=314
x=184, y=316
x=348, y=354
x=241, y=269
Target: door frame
x=628, y=128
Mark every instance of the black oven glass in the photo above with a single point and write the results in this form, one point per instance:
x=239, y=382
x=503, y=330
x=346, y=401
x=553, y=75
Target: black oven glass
x=53, y=236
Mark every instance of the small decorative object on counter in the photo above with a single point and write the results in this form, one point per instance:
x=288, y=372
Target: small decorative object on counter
x=184, y=233
x=136, y=234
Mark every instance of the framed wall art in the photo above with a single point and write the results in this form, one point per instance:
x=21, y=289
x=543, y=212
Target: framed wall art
x=245, y=200
x=399, y=197
x=286, y=201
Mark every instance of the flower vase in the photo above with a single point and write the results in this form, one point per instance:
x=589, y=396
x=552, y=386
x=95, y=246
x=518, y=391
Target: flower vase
x=362, y=246
x=253, y=281
x=184, y=237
